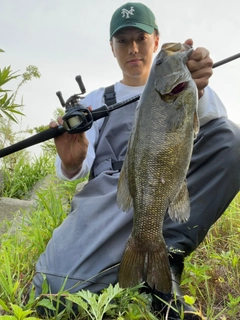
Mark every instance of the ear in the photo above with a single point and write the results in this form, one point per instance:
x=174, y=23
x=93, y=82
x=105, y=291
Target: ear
x=111, y=44
x=156, y=43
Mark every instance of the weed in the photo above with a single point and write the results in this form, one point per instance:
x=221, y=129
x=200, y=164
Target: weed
x=22, y=176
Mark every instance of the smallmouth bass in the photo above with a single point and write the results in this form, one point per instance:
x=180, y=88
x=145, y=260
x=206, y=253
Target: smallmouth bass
x=153, y=176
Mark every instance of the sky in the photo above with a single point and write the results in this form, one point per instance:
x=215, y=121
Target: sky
x=68, y=38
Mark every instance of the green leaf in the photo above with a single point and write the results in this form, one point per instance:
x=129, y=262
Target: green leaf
x=6, y=75
x=47, y=304
x=75, y=298
x=4, y=306
x=19, y=313
x=3, y=99
x=96, y=305
x=33, y=318
x=186, y=280
x=44, y=284
x=189, y=300
x=5, y=285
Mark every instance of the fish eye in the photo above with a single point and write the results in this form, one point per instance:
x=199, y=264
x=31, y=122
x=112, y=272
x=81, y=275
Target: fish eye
x=159, y=61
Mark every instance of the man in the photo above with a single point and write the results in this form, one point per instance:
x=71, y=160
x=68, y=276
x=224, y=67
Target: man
x=89, y=244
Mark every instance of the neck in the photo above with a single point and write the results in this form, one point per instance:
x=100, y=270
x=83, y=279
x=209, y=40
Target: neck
x=134, y=81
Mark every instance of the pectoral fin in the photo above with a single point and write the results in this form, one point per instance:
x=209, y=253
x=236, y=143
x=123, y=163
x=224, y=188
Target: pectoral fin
x=196, y=125
x=179, y=208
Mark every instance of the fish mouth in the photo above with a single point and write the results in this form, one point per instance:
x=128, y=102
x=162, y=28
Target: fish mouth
x=179, y=88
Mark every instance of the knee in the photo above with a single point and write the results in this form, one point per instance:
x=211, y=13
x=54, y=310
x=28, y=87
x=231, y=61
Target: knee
x=232, y=143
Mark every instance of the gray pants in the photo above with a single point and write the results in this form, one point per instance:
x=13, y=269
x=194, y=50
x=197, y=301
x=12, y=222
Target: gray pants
x=92, y=238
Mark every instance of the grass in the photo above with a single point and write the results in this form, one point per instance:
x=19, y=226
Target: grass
x=211, y=275
x=22, y=176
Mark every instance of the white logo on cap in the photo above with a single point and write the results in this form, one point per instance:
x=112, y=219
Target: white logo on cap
x=126, y=13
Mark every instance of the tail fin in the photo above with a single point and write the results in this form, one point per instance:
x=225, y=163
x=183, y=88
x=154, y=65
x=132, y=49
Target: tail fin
x=145, y=264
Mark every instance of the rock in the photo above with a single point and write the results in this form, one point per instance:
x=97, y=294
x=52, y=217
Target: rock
x=43, y=185
x=10, y=208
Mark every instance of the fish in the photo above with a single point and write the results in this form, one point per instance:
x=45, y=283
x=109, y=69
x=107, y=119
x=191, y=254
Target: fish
x=152, y=180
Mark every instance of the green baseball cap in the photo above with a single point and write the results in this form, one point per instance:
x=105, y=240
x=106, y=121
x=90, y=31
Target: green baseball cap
x=133, y=14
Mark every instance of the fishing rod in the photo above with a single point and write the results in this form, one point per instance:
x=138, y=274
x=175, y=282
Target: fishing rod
x=77, y=117
x=221, y=62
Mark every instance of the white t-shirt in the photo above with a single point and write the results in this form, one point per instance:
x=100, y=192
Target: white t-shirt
x=209, y=107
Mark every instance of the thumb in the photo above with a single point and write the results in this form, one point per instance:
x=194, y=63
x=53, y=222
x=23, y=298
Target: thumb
x=189, y=42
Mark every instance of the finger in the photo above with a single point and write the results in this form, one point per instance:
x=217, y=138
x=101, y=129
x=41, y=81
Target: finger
x=201, y=83
x=200, y=93
x=189, y=42
x=201, y=72
x=60, y=120
x=195, y=64
x=199, y=54
x=53, y=124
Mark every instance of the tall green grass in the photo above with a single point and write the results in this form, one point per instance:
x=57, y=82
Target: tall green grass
x=20, y=178
x=212, y=272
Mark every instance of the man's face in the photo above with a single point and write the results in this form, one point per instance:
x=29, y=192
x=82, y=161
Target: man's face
x=133, y=49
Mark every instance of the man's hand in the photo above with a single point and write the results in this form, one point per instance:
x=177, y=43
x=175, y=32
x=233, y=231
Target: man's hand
x=72, y=149
x=200, y=66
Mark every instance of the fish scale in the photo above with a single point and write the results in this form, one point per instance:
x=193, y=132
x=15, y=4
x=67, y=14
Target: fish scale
x=153, y=176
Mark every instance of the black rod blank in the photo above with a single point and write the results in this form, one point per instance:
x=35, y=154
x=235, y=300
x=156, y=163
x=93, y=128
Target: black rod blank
x=221, y=62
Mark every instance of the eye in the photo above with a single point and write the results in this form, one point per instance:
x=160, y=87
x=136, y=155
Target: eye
x=121, y=40
x=143, y=37
x=159, y=61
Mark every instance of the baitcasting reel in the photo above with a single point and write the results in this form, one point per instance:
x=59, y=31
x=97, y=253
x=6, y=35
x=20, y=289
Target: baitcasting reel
x=77, y=117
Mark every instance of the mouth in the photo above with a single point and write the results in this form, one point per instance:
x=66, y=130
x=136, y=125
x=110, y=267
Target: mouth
x=134, y=61
x=179, y=88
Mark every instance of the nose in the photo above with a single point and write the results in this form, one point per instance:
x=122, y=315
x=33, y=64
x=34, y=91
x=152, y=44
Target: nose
x=133, y=47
